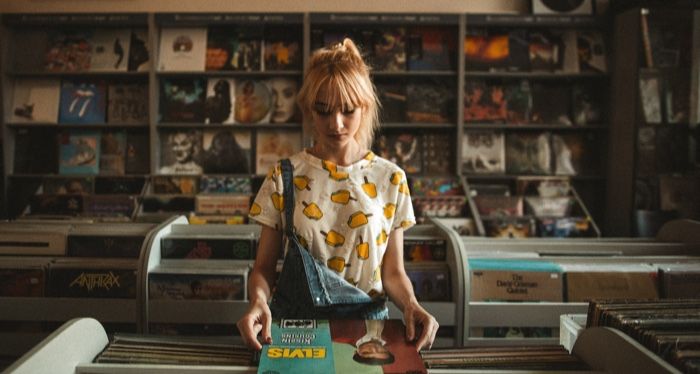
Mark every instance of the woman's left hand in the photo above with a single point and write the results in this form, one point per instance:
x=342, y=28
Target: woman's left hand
x=418, y=319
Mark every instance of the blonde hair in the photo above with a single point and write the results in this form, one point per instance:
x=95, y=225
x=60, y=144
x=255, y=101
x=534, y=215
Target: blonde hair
x=341, y=71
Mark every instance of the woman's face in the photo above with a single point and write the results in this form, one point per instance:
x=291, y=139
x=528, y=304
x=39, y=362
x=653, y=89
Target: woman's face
x=182, y=147
x=373, y=349
x=335, y=127
x=284, y=93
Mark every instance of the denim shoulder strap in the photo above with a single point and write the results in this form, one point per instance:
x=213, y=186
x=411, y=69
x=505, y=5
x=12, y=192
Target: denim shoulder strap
x=288, y=196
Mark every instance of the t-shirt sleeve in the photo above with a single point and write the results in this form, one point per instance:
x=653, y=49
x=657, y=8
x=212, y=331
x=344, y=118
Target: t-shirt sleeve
x=268, y=205
x=404, y=216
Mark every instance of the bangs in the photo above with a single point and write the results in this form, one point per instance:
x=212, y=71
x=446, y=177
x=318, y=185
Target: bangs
x=339, y=91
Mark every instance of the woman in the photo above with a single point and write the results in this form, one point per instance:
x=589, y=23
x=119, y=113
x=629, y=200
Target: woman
x=345, y=215
x=283, y=91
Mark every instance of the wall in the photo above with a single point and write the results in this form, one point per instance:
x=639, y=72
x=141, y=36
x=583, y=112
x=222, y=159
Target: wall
x=406, y=6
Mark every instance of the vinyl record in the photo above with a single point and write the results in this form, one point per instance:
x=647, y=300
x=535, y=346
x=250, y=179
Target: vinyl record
x=253, y=102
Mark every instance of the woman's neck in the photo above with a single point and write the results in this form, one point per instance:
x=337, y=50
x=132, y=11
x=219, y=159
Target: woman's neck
x=343, y=156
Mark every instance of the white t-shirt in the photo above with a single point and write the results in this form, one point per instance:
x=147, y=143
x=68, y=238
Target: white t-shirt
x=343, y=214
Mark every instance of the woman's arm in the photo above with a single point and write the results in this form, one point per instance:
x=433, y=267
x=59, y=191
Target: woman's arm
x=398, y=287
x=260, y=282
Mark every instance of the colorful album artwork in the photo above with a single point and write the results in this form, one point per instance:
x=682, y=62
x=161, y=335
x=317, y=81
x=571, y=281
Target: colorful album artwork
x=182, y=100
x=253, y=102
x=283, y=107
x=83, y=102
x=79, y=152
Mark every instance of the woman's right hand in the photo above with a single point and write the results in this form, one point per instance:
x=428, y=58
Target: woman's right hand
x=258, y=319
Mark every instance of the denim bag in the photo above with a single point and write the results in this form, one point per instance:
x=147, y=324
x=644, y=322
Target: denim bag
x=307, y=288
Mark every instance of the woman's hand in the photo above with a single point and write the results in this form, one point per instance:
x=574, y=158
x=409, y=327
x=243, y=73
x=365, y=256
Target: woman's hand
x=257, y=319
x=418, y=319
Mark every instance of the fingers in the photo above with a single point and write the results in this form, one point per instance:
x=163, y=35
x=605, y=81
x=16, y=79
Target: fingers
x=428, y=334
x=266, y=328
x=249, y=332
x=410, y=327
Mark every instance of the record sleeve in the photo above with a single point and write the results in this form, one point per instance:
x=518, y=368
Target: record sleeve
x=218, y=106
x=226, y=152
x=587, y=107
x=182, y=49
x=483, y=152
x=227, y=204
x=113, y=152
x=390, y=49
x=486, y=50
x=393, y=98
x=68, y=186
x=509, y=227
x=238, y=247
x=127, y=103
x=125, y=241
x=272, y=146
x=545, y=50
x=110, y=49
x=549, y=206
x=253, y=101
x=283, y=94
x=463, y=226
x=182, y=100
x=83, y=102
x=528, y=153
x=36, y=100
x=499, y=205
x=427, y=249
x=591, y=51
x=551, y=104
x=430, y=48
x=282, y=50
x=484, y=102
x=180, y=152
x=403, y=149
x=95, y=278
x=234, y=48
x=180, y=185
x=139, y=55
x=575, y=154
x=68, y=50
x=431, y=102
x=79, y=152
x=137, y=153
x=519, y=103
x=225, y=184
x=543, y=186
x=163, y=285
x=435, y=186
x=430, y=281
x=565, y=227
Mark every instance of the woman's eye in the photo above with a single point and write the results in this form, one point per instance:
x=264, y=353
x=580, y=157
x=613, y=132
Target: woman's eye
x=323, y=112
x=348, y=112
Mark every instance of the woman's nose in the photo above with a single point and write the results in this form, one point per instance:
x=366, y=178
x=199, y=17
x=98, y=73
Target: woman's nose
x=337, y=121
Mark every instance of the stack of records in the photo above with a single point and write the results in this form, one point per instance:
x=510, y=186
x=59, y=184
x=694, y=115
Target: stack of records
x=134, y=349
x=536, y=357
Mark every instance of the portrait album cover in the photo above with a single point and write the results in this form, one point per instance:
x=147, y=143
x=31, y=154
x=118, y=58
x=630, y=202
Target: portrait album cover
x=347, y=346
x=274, y=145
x=182, y=100
x=220, y=100
x=182, y=49
x=79, y=152
x=253, y=101
x=226, y=151
x=483, y=152
x=110, y=49
x=83, y=102
x=36, y=100
x=180, y=151
x=127, y=103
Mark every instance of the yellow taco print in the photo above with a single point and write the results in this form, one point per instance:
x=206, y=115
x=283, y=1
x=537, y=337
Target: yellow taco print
x=382, y=237
x=358, y=219
x=369, y=188
x=334, y=238
x=337, y=264
x=389, y=210
x=342, y=197
x=302, y=182
x=312, y=211
x=255, y=210
x=362, y=250
x=333, y=172
x=403, y=188
x=395, y=178
x=277, y=201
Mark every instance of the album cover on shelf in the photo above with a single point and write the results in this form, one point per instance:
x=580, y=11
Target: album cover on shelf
x=114, y=207
x=282, y=50
x=182, y=100
x=392, y=95
x=68, y=50
x=139, y=55
x=528, y=153
x=120, y=185
x=557, y=207
x=230, y=247
x=83, y=102
x=68, y=186
x=283, y=105
x=575, y=153
x=166, y=284
x=509, y=227
x=484, y=102
x=35, y=152
x=274, y=145
x=110, y=49
x=435, y=186
x=56, y=205
x=438, y=153
x=431, y=102
x=551, y=104
x=486, y=50
x=234, y=48
x=403, y=149
x=430, y=48
x=180, y=151
x=127, y=103
x=79, y=152
x=591, y=51
x=463, y=226
x=430, y=281
x=519, y=103
x=483, y=152
x=30, y=59
x=215, y=219
x=182, y=49
x=137, y=153
x=677, y=193
x=171, y=185
x=545, y=51
x=117, y=241
x=222, y=204
x=587, y=107
x=564, y=227
x=113, y=152
x=253, y=101
x=92, y=278
x=226, y=152
x=225, y=184
x=650, y=86
x=390, y=49
x=36, y=100
x=543, y=186
x=499, y=205
x=568, y=51
x=424, y=249
x=438, y=206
